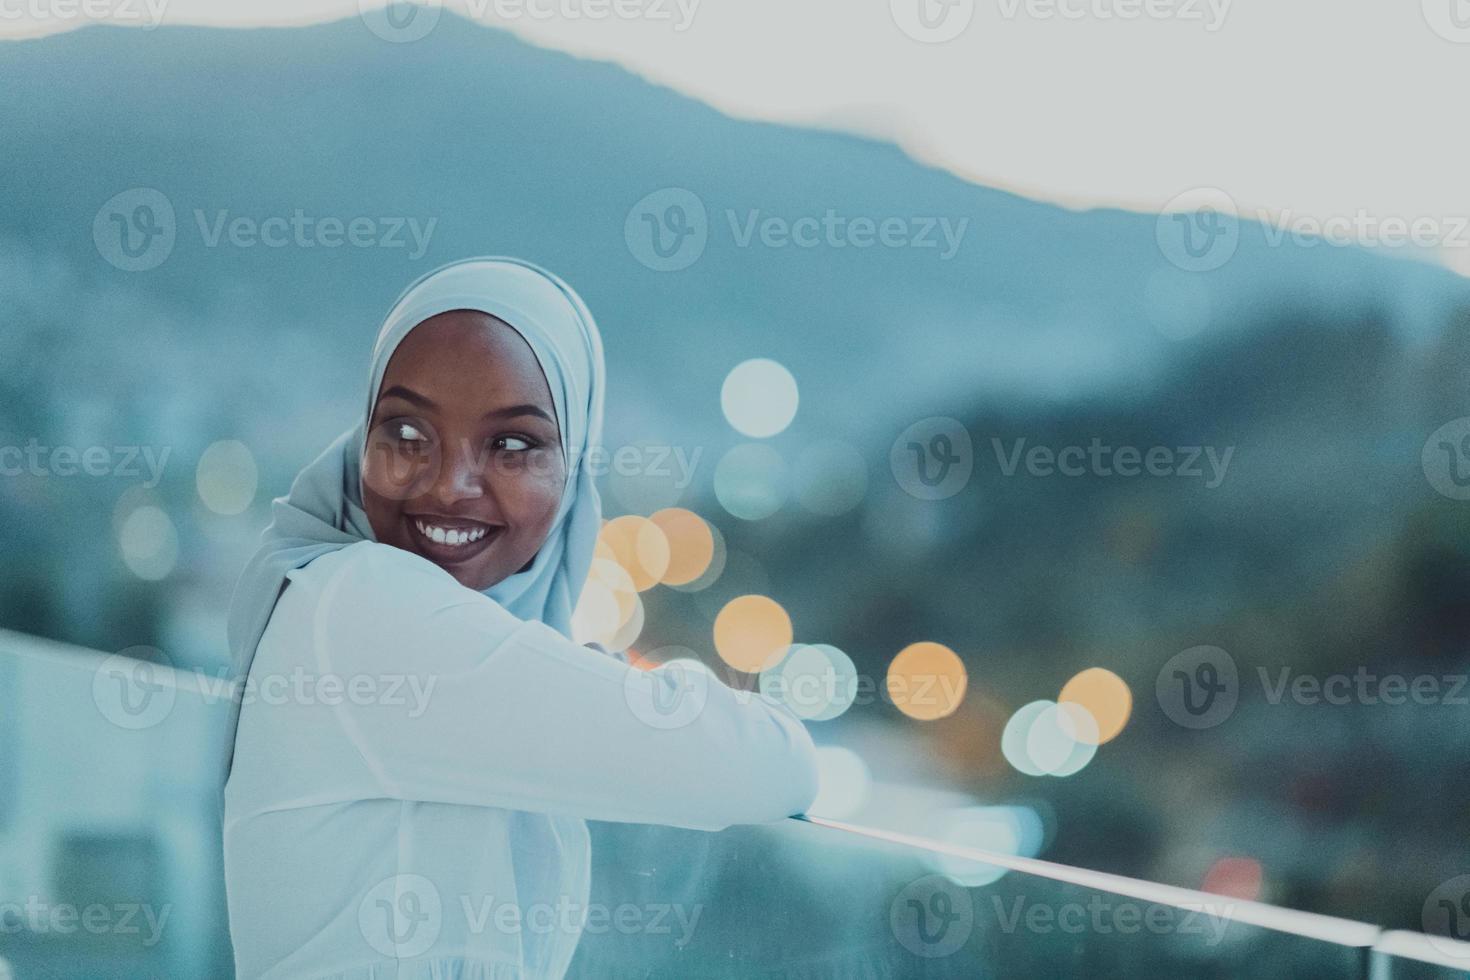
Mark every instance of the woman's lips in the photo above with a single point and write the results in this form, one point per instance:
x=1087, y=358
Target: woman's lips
x=446, y=540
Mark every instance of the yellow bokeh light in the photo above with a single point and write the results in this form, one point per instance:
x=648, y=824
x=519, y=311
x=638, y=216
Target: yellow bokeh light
x=691, y=545
x=639, y=546
x=927, y=681
x=752, y=633
x=1105, y=696
x=616, y=580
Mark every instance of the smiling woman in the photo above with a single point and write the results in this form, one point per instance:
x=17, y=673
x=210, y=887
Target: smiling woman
x=464, y=462
x=439, y=547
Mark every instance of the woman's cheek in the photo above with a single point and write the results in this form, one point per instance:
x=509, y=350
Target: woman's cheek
x=538, y=489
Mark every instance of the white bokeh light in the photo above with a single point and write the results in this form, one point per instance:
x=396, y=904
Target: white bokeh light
x=759, y=398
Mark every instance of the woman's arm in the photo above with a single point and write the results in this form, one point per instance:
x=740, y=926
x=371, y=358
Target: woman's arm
x=501, y=712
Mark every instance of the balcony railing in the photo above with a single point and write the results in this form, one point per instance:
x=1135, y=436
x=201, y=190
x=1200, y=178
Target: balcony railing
x=109, y=810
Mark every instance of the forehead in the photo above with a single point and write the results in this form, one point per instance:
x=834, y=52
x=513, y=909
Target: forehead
x=470, y=361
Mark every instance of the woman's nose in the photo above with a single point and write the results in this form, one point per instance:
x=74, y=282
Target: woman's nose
x=461, y=474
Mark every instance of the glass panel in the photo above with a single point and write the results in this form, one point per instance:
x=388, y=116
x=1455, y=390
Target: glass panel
x=800, y=900
x=109, y=856
x=1411, y=956
x=110, y=866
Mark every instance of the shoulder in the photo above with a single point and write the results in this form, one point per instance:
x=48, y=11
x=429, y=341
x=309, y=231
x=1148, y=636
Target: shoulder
x=372, y=599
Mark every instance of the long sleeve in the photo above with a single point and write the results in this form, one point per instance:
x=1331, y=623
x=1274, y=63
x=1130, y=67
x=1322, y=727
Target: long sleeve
x=494, y=711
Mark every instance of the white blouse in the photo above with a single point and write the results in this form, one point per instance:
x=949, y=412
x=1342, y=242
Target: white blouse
x=414, y=764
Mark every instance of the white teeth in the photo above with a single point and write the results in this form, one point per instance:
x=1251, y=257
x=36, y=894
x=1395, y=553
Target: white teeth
x=450, y=536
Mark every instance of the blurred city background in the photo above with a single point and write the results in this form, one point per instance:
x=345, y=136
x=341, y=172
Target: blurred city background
x=897, y=405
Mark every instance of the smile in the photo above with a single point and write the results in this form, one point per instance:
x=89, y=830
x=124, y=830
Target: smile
x=453, y=539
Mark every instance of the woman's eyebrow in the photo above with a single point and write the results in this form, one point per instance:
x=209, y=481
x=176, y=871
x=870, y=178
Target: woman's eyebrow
x=513, y=410
x=408, y=395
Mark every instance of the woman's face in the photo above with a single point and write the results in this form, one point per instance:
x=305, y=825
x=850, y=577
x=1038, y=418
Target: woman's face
x=463, y=463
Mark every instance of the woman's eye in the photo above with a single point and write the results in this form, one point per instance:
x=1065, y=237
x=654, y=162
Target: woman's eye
x=408, y=432
x=516, y=444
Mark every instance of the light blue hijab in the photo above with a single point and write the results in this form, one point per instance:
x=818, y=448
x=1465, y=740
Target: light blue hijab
x=323, y=512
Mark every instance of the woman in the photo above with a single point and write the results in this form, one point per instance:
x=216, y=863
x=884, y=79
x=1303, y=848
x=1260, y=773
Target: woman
x=420, y=740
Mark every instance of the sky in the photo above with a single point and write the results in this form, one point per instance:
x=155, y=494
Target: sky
x=1302, y=112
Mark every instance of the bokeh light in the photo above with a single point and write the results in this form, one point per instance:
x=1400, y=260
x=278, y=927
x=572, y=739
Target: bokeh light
x=607, y=605
x=1010, y=830
x=751, y=481
x=759, y=398
x=927, y=681
x=1237, y=877
x=639, y=546
x=817, y=681
x=716, y=567
x=226, y=477
x=149, y=543
x=843, y=783
x=1013, y=740
x=1105, y=696
x=691, y=545
x=1044, y=738
x=752, y=632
